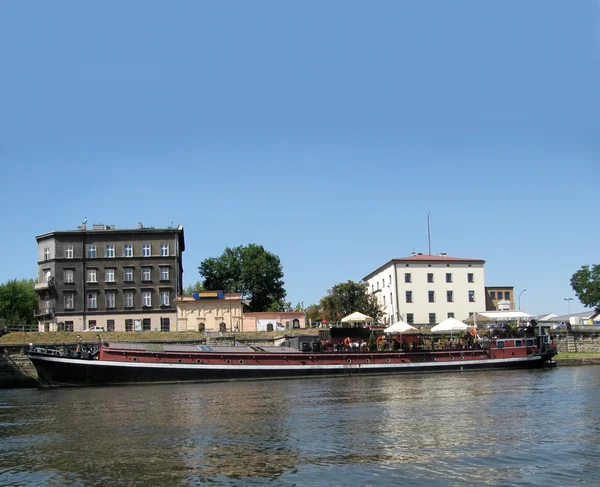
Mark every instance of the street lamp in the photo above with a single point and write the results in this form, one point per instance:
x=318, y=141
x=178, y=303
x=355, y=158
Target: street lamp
x=520, y=297
x=568, y=300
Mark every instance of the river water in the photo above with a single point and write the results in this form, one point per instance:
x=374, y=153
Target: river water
x=526, y=428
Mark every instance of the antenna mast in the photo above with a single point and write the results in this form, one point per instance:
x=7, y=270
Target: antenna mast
x=429, y=232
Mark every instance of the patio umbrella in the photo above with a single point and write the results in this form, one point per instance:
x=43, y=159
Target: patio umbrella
x=451, y=325
x=356, y=317
x=399, y=327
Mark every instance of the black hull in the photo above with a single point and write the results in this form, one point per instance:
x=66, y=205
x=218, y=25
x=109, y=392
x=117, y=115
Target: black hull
x=65, y=372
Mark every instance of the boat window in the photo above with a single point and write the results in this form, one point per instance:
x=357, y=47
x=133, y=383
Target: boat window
x=518, y=343
x=530, y=342
x=500, y=343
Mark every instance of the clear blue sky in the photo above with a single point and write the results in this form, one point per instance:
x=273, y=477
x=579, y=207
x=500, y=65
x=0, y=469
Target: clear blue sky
x=324, y=131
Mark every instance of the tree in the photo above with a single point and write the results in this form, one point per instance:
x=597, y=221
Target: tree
x=189, y=289
x=347, y=297
x=586, y=284
x=18, y=301
x=250, y=270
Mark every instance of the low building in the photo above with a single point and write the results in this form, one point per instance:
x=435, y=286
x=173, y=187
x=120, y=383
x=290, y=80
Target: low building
x=274, y=321
x=211, y=311
x=500, y=298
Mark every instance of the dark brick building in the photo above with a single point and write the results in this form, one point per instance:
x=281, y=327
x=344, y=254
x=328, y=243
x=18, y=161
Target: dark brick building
x=121, y=280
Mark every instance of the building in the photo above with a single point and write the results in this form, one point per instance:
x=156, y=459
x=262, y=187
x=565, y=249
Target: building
x=274, y=320
x=211, y=311
x=122, y=280
x=500, y=298
x=426, y=289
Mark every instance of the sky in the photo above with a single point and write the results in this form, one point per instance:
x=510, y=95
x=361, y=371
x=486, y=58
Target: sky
x=324, y=131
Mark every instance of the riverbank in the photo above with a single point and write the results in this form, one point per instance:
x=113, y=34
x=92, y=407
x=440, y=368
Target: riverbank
x=567, y=359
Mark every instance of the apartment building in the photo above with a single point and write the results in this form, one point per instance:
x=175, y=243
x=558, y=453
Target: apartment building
x=120, y=279
x=424, y=289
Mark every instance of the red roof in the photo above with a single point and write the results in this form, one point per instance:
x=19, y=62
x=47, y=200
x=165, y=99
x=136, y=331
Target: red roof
x=435, y=258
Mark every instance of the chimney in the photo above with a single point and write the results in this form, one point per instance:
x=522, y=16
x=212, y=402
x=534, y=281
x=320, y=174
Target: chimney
x=443, y=254
x=140, y=226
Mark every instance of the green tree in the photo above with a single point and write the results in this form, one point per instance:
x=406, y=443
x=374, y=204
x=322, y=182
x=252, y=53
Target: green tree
x=586, y=284
x=189, y=289
x=250, y=270
x=347, y=297
x=18, y=301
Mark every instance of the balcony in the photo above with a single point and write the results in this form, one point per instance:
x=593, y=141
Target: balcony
x=45, y=312
x=44, y=286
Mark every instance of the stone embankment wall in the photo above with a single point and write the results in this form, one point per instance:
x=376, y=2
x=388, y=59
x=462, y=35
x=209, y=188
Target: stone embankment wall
x=577, y=341
x=16, y=370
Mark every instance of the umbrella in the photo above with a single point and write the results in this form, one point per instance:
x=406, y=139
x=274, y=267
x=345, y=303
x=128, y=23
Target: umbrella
x=399, y=327
x=451, y=325
x=356, y=317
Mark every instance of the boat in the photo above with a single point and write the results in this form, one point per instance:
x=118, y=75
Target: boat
x=333, y=353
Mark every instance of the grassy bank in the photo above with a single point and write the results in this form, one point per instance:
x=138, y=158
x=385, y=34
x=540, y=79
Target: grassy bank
x=577, y=355
x=19, y=338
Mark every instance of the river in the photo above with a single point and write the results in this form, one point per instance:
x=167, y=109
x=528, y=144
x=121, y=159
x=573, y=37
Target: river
x=526, y=428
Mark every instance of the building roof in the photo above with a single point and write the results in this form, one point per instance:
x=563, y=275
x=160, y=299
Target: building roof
x=420, y=257
x=101, y=229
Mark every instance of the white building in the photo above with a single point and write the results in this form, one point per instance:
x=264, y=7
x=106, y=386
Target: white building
x=427, y=289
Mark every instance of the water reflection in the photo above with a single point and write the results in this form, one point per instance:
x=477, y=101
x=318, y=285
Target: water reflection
x=447, y=429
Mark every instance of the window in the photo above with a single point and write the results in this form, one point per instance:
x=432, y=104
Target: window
x=146, y=299
x=110, y=325
x=110, y=251
x=165, y=324
x=91, y=275
x=146, y=252
x=470, y=277
x=47, y=275
x=383, y=301
x=69, y=300
x=46, y=254
x=91, y=251
x=91, y=323
x=432, y=296
x=429, y=277
x=407, y=277
x=492, y=294
x=109, y=275
x=450, y=315
x=69, y=251
x=450, y=296
x=164, y=298
x=372, y=288
x=128, y=250
x=500, y=343
x=432, y=318
x=68, y=326
x=164, y=250
x=471, y=296
x=507, y=295
x=92, y=300
x=110, y=300
x=378, y=285
x=409, y=296
x=146, y=324
x=128, y=274
x=68, y=275
x=448, y=277
x=146, y=274
x=410, y=318
x=128, y=299
x=128, y=325
x=390, y=279
x=164, y=273
x=518, y=343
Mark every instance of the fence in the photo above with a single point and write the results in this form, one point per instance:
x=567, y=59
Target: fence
x=21, y=328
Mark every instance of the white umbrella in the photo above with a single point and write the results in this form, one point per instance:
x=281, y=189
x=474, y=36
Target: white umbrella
x=451, y=325
x=356, y=317
x=399, y=327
